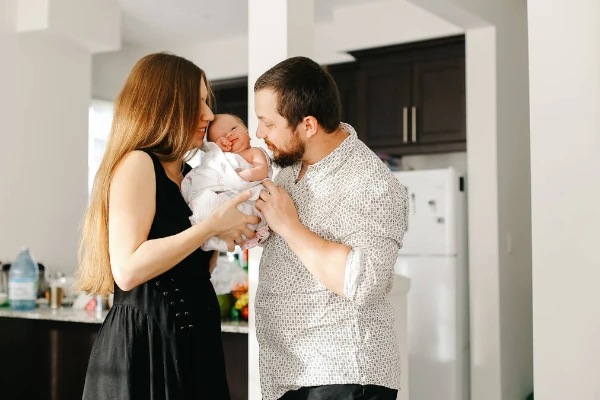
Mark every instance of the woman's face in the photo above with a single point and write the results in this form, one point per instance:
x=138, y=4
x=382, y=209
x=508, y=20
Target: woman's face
x=204, y=117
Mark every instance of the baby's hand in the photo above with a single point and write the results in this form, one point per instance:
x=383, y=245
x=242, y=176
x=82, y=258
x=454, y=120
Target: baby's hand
x=224, y=144
x=246, y=174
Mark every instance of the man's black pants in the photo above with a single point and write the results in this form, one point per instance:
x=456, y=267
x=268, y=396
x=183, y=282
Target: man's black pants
x=342, y=392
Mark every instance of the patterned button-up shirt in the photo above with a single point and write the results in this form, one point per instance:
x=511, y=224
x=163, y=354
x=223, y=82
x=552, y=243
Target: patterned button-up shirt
x=308, y=335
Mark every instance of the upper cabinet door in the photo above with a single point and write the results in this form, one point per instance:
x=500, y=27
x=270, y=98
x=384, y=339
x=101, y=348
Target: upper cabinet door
x=412, y=97
x=345, y=79
x=231, y=97
x=384, y=100
x=439, y=109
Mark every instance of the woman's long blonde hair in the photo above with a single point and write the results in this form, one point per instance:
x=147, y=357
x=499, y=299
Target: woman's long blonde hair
x=157, y=110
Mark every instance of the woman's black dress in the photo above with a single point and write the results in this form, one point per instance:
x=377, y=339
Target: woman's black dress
x=162, y=340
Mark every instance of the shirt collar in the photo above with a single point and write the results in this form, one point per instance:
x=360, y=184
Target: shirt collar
x=333, y=160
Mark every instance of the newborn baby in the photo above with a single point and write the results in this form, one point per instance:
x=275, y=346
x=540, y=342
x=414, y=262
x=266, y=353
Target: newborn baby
x=229, y=167
x=230, y=134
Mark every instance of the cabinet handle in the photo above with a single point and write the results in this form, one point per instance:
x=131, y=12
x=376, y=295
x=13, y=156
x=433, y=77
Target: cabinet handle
x=405, y=125
x=414, y=124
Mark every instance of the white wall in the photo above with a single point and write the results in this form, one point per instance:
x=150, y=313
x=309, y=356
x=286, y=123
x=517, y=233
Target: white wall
x=352, y=28
x=93, y=25
x=499, y=194
x=483, y=214
x=456, y=160
x=9, y=175
x=49, y=151
x=110, y=70
x=514, y=200
x=565, y=167
x=46, y=91
x=381, y=23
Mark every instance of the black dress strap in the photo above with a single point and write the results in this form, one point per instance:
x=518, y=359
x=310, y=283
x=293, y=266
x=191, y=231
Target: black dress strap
x=158, y=168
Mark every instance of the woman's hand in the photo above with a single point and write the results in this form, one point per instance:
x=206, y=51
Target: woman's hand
x=230, y=224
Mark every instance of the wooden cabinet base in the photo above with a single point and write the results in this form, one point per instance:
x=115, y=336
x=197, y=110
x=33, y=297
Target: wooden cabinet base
x=47, y=360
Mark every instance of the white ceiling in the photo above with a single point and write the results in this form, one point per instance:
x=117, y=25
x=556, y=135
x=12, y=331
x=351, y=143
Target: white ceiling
x=152, y=23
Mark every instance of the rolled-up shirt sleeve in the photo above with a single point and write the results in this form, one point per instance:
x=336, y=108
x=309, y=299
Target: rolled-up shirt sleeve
x=379, y=222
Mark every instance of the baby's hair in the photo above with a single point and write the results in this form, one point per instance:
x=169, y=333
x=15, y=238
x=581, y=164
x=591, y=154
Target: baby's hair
x=238, y=119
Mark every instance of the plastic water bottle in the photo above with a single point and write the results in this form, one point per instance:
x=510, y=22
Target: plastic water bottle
x=23, y=282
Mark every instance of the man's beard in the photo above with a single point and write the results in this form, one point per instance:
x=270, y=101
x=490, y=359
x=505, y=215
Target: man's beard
x=290, y=157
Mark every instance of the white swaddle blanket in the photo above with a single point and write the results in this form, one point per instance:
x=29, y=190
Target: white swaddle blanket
x=214, y=182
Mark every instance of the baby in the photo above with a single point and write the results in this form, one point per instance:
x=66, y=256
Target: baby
x=231, y=135
x=229, y=167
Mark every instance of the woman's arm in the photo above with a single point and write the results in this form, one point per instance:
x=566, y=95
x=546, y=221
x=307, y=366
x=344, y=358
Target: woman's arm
x=132, y=205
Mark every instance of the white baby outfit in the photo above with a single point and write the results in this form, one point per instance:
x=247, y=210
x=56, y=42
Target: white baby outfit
x=214, y=182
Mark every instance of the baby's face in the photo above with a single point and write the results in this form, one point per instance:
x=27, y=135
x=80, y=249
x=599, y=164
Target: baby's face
x=228, y=134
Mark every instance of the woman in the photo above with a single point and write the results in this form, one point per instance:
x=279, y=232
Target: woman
x=162, y=337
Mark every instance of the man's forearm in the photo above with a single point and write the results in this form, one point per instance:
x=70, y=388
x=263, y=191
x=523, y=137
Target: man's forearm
x=324, y=259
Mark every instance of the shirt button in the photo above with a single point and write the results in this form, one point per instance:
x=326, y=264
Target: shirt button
x=177, y=289
x=172, y=303
x=165, y=293
x=177, y=315
x=187, y=314
x=157, y=283
x=191, y=327
x=182, y=301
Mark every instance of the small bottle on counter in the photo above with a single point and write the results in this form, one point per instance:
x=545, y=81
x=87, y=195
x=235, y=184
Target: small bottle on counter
x=23, y=280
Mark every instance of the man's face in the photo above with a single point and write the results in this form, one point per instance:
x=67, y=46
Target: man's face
x=286, y=144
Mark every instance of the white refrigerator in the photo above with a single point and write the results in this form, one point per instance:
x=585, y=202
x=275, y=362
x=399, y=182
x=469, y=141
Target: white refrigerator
x=434, y=257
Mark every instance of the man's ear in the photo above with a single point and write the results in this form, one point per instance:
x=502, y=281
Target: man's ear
x=310, y=125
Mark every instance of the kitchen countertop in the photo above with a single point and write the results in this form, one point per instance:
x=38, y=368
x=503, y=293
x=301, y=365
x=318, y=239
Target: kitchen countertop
x=67, y=314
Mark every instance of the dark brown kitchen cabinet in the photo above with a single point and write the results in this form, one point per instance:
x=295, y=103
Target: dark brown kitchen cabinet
x=384, y=95
x=411, y=98
x=439, y=101
x=344, y=75
x=231, y=97
x=47, y=360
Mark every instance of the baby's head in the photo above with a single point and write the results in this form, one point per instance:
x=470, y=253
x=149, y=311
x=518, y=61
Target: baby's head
x=229, y=133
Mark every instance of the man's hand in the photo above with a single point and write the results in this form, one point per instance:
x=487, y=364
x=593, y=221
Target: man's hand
x=325, y=260
x=279, y=211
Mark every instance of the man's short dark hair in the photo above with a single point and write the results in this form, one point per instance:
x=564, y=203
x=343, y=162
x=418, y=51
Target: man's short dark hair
x=303, y=88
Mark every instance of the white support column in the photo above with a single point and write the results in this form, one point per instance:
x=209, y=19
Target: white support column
x=8, y=112
x=565, y=193
x=277, y=29
x=43, y=142
x=499, y=193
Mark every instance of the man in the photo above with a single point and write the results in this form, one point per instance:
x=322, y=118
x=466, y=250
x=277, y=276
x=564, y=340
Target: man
x=323, y=321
